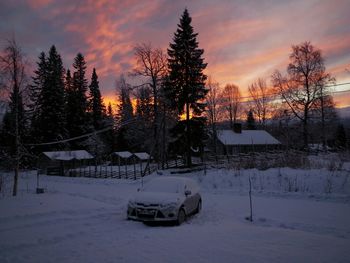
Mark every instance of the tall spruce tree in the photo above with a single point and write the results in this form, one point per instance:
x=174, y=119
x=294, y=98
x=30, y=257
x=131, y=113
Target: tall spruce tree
x=52, y=101
x=143, y=115
x=96, y=106
x=9, y=124
x=77, y=103
x=35, y=91
x=124, y=115
x=186, y=87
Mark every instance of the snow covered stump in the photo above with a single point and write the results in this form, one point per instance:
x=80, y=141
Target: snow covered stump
x=38, y=189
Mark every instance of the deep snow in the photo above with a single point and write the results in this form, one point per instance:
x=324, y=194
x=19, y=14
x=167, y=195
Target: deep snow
x=84, y=220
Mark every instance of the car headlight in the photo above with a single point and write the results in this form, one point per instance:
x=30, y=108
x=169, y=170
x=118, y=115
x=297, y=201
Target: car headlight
x=131, y=204
x=169, y=206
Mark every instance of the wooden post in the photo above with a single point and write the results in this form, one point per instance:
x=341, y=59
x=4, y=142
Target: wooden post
x=126, y=168
x=141, y=168
x=250, y=200
x=111, y=164
x=89, y=169
x=119, y=166
x=134, y=168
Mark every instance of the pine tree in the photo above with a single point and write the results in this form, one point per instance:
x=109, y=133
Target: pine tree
x=250, y=120
x=124, y=115
x=8, y=128
x=109, y=110
x=35, y=91
x=68, y=83
x=52, y=100
x=186, y=87
x=143, y=116
x=96, y=106
x=77, y=103
x=144, y=104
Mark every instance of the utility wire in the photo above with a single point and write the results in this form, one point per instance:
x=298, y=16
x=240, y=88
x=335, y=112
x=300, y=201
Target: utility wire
x=271, y=95
x=81, y=136
x=133, y=120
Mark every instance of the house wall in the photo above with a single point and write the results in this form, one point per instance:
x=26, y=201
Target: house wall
x=236, y=149
x=56, y=167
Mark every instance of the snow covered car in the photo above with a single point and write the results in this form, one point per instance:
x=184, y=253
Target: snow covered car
x=165, y=199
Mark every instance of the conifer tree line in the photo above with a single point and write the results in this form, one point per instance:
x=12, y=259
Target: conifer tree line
x=59, y=104
x=175, y=110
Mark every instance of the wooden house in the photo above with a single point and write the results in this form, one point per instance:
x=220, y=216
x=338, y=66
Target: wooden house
x=242, y=141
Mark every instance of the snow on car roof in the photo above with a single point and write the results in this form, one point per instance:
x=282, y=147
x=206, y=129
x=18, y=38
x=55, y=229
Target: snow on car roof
x=168, y=184
x=247, y=137
x=68, y=155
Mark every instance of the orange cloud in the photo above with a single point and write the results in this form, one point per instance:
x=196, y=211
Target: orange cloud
x=242, y=41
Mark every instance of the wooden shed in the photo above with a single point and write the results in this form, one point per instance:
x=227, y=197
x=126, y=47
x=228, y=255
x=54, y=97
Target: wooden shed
x=141, y=156
x=122, y=158
x=59, y=162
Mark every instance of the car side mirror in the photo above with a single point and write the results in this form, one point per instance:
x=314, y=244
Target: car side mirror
x=187, y=192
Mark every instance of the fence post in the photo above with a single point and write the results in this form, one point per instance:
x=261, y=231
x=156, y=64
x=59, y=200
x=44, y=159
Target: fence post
x=111, y=164
x=134, y=169
x=119, y=166
x=141, y=168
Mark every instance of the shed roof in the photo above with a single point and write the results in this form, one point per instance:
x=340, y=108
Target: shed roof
x=247, y=137
x=124, y=154
x=68, y=155
x=142, y=156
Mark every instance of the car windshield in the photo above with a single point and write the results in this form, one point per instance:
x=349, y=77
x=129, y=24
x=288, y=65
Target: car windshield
x=164, y=185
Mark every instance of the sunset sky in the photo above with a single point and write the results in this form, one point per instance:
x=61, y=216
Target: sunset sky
x=242, y=39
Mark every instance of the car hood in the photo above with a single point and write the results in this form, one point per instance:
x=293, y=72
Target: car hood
x=155, y=198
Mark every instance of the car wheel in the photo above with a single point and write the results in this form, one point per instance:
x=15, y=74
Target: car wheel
x=199, y=207
x=181, y=217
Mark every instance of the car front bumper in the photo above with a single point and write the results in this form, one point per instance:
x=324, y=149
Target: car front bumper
x=151, y=214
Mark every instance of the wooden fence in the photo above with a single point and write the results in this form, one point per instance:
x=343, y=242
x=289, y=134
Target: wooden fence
x=105, y=171
x=260, y=160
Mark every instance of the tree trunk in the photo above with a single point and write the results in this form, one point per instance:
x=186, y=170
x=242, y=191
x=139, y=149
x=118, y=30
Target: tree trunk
x=155, y=122
x=323, y=133
x=231, y=117
x=305, y=134
x=16, y=94
x=188, y=136
x=164, y=138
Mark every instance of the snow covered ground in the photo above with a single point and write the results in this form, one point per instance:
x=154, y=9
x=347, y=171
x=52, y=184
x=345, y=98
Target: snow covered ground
x=299, y=216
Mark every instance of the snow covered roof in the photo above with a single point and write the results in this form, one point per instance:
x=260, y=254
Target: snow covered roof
x=124, y=154
x=68, y=155
x=247, y=137
x=142, y=155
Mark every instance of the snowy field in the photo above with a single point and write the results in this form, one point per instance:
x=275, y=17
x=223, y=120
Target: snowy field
x=299, y=216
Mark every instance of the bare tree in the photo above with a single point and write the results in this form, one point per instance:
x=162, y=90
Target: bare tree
x=304, y=84
x=231, y=99
x=213, y=110
x=260, y=98
x=152, y=64
x=12, y=66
